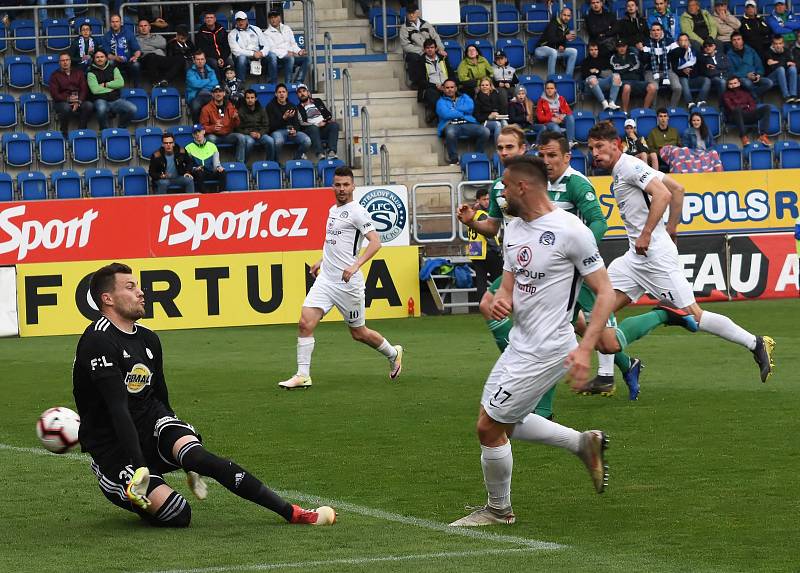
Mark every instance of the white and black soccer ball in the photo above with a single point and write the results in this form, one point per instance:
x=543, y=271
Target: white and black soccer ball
x=57, y=429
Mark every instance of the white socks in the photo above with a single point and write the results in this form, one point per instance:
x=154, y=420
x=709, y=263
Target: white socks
x=724, y=327
x=387, y=350
x=537, y=429
x=305, y=346
x=497, y=464
x=606, y=366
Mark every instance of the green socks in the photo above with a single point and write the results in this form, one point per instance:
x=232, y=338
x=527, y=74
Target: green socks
x=635, y=327
x=623, y=362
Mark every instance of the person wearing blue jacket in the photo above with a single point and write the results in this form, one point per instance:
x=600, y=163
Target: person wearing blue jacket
x=200, y=80
x=123, y=50
x=456, y=121
x=746, y=64
x=697, y=135
x=664, y=15
x=782, y=22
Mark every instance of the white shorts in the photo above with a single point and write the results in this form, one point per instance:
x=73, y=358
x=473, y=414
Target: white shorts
x=660, y=277
x=517, y=383
x=347, y=297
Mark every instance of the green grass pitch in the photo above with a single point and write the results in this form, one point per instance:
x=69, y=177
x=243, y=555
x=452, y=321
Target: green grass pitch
x=703, y=467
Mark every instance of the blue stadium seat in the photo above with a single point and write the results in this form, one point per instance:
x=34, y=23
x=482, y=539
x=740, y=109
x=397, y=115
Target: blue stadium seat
x=678, y=118
x=264, y=93
x=23, y=31
x=19, y=72
x=325, y=169
x=53, y=28
x=133, y=181
x=392, y=23
x=46, y=64
x=534, y=86
x=484, y=48
x=181, y=133
x=51, y=148
x=580, y=47
x=95, y=23
x=497, y=165
x=712, y=119
x=476, y=167
x=737, y=8
x=566, y=87
x=8, y=111
x=32, y=185
x=538, y=16
x=140, y=99
x=788, y=154
x=222, y=18
x=774, y=127
x=66, y=184
x=616, y=117
x=791, y=117
x=730, y=155
x=84, y=146
x=645, y=120
x=3, y=38
x=447, y=30
x=236, y=176
x=584, y=121
x=17, y=149
x=99, y=182
x=266, y=175
x=455, y=52
x=6, y=187
x=514, y=49
x=758, y=156
x=117, y=146
x=148, y=140
x=578, y=161
x=293, y=98
x=476, y=18
x=299, y=174
x=35, y=109
x=166, y=104
x=507, y=20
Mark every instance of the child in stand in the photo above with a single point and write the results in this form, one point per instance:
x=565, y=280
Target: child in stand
x=234, y=87
x=503, y=75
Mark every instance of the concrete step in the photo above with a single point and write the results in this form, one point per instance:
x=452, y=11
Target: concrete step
x=387, y=122
x=375, y=84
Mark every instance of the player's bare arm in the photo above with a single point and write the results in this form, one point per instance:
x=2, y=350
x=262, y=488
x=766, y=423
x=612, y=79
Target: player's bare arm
x=503, y=298
x=487, y=227
x=675, y=206
x=660, y=198
x=373, y=246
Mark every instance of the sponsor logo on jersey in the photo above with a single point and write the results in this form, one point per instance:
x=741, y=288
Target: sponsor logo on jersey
x=125, y=354
x=547, y=238
x=588, y=261
x=138, y=377
x=590, y=196
x=387, y=211
x=524, y=256
x=149, y=353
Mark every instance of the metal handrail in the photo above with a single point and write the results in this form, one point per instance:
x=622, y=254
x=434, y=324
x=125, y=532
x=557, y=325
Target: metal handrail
x=366, y=160
x=328, y=67
x=417, y=216
x=347, y=96
x=385, y=169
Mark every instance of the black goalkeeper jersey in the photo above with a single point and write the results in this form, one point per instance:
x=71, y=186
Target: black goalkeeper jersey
x=118, y=378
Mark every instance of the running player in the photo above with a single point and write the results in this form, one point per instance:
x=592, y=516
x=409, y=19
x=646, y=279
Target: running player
x=129, y=427
x=651, y=264
x=340, y=283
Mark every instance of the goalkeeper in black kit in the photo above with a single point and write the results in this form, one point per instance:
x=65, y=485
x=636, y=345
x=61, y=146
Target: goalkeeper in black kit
x=129, y=427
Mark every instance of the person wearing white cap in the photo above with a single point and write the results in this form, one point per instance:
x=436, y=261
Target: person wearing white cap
x=248, y=46
x=635, y=144
x=755, y=30
x=283, y=49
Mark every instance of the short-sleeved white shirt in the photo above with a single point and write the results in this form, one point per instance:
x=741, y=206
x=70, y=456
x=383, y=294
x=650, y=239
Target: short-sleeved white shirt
x=548, y=257
x=631, y=176
x=344, y=234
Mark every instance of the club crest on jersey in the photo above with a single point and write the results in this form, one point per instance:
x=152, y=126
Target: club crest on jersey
x=524, y=256
x=138, y=378
x=547, y=238
x=344, y=215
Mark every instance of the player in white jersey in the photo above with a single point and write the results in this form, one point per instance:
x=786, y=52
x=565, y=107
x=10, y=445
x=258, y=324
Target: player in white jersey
x=340, y=283
x=547, y=252
x=651, y=265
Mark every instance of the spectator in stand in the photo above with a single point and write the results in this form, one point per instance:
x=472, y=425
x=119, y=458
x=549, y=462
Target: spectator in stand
x=83, y=47
x=553, y=43
x=686, y=65
x=249, y=47
x=656, y=63
x=491, y=108
x=219, y=119
x=472, y=69
x=486, y=253
x=181, y=46
x=234, y=87
x=317, y=122
x=554, y=112
x=254, y=126
x=782, y=69
x=755, y=30
x=200, y=80
x=413, y=35
x=123, y=50
x=726, y=22
x=635, y=144
x=633, y=29
x=626, y=64
x=698, y=23
x=697, y=135
x=283, y=50
x=664, y=15
x=522, y=109
x=157, y=65
x=662, y=134
x=105, y=82
x=714, y=65
x=435, y=69
x=206, y=164
x=601, y=25
x=740, y=107
x=597, y=74
x=746, y=65
x=284, y=120
x=164, y=16
x=171, y=166
x=503, y=75
x=783, y=22
x=70, y=93
x=212, y=40
x=795, y=50
x=457, y=122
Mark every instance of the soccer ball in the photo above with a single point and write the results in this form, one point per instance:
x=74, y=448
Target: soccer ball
x=57, y=429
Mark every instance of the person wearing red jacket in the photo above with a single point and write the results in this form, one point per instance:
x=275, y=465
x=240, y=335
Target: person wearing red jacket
x=741, y=108
x=70, y=94
x=220, y=119
x=554, y=112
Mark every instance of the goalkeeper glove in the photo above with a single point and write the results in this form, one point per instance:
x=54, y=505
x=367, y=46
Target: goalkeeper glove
x=137, y=488
x=197, y=485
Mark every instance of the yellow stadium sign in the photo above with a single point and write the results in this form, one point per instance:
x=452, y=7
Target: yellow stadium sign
x=209, y=291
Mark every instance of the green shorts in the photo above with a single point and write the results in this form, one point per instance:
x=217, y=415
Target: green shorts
x=495, y=284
